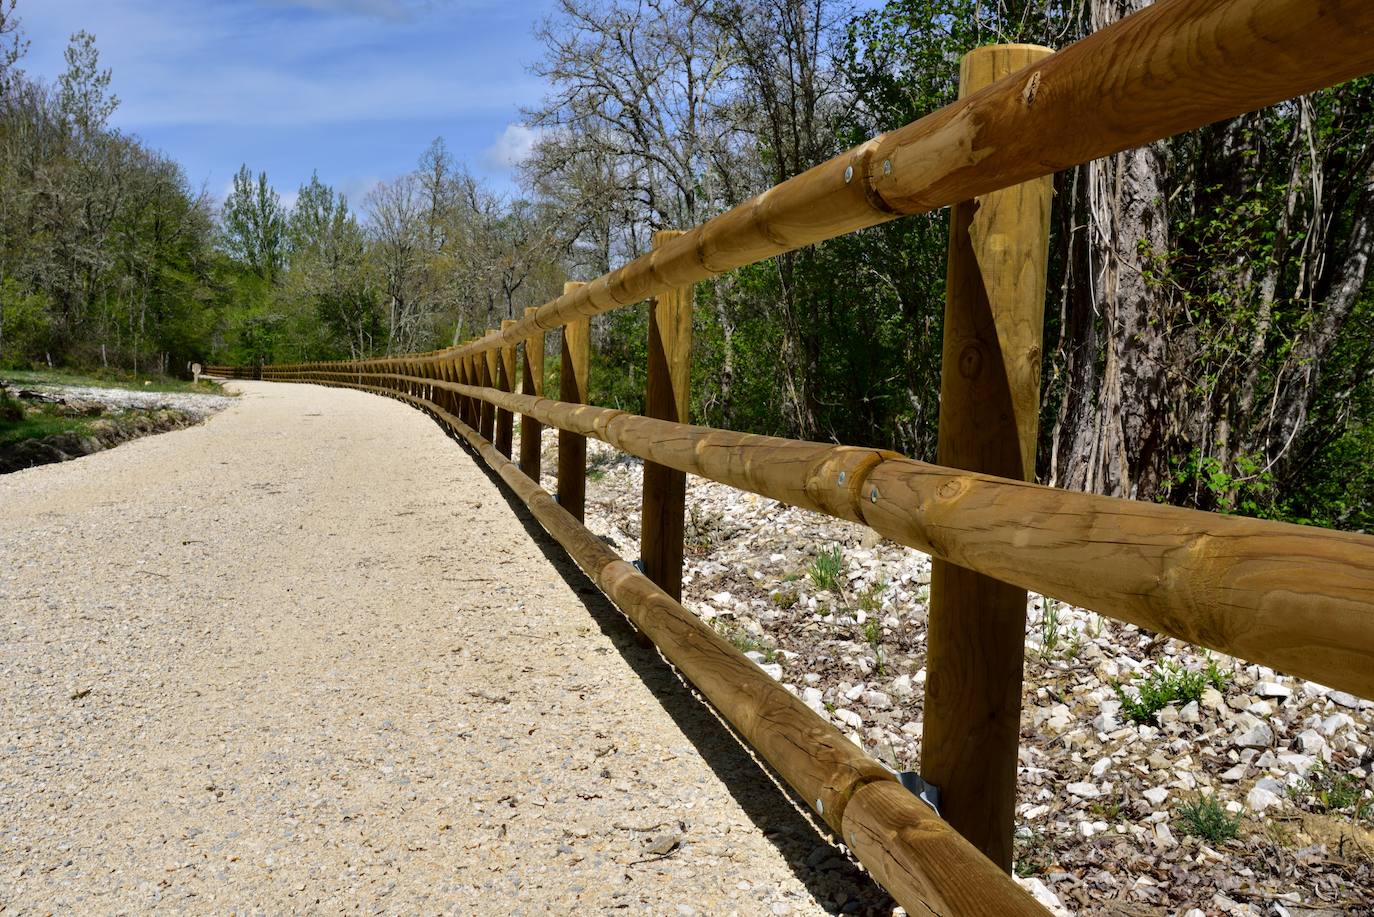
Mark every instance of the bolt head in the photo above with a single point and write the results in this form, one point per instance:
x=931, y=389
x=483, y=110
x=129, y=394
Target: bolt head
x=873, y=495
x=820, y=805
x=887, y=166
x=841, y=479
x=848, y=174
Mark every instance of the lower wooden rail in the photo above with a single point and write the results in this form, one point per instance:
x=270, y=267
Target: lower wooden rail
x=923, y=862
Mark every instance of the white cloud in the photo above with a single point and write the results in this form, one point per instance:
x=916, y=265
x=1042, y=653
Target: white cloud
x=513, y=147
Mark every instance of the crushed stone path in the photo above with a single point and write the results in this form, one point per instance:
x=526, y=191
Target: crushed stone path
x=305, y=658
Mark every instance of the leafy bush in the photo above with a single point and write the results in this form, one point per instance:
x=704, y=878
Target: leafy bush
x=1204, y=817
x=1168, y=683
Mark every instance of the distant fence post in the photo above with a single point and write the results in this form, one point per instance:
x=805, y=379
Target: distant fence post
x=531, y=383
x=667, y=395
x=487, y=362
x=505, y=420
x=572, y=387
x=989, y=408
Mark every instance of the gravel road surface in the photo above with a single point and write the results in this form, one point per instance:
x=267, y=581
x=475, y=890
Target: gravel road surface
x=305, y=658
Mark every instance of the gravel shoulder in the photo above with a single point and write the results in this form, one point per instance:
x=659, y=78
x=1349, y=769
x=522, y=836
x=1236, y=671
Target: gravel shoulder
x=304, y=657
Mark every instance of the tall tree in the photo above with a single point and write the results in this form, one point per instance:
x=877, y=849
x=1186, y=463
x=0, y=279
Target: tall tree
x=254, y=225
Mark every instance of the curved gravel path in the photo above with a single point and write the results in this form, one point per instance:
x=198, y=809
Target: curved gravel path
x=305, y=658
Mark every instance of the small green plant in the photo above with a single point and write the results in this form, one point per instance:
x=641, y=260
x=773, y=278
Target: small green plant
x=785, y=598
x=1049, y=628
x=1324, y=790
x=873, y=633
x=703, y=530
x=599, y=464
x=1031, y=854
x=1167, y=684
x=871, y=599
x=825, y=570
x=1204, y=817
x=746, y=643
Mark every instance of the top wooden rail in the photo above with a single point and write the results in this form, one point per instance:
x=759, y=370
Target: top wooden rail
x=1297, y=598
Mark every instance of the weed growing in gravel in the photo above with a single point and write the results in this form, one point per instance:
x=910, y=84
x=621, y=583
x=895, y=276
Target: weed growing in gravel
x=1168, y=683
x=1325, y=790
x=826, y=569
x=704, y=529
x=1031, y=854
x=748, y=644
x=1204, y=817
x=598, y=464
x=873, y=634
x=785, y=598
x=871, y=599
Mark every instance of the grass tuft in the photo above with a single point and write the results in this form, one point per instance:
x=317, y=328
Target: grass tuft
x=1204, y=817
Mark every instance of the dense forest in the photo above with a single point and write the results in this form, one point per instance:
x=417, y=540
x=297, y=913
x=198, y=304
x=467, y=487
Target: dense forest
x=1209, y=339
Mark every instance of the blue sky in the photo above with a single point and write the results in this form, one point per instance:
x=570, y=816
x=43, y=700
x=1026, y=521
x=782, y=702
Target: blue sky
x=354, y=88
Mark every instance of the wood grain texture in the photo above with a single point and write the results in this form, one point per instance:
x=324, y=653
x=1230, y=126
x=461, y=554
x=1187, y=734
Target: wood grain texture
x=989, y=419
x=531, y=383
x=917, y=856
x=1296, y=598
x=1174, y=66
x=572, y=388
x=486, y=372
x=505, y=420
x=667, y=396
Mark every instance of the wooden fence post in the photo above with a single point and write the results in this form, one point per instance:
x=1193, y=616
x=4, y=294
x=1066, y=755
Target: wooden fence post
x=531, y=383
x=667, y=395
x=572, y=387
x=469, y=377
x=505, y=381
x=989, y=410
x=486, y=371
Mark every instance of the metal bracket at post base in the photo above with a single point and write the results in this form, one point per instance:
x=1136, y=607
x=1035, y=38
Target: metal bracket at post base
x=928, y=793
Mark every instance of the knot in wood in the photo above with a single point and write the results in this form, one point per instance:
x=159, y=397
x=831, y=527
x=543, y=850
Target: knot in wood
x=971, y=361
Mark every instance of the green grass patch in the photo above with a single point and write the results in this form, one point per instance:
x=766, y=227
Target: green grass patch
x=108, y=379
x=825, y=570
x=1204, y=817
x=37, y=426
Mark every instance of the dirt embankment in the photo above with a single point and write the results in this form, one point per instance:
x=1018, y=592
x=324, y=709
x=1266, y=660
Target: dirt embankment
x=76, y=420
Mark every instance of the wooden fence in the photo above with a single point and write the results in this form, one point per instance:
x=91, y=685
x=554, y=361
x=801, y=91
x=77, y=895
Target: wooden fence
x=1295, y=598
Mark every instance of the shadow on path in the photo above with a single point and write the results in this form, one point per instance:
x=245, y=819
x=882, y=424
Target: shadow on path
x=763, y=796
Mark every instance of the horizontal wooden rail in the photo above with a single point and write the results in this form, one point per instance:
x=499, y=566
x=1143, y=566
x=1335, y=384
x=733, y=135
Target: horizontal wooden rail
x=1172, y=67
x=924, y=863
x=1293, y=597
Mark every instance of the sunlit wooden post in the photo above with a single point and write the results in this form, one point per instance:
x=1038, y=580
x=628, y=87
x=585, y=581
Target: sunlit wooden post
x=667, y=395
x=989, y=407
x=486, y=372
x=531, y=383
x=572, y=387
x=505, y=381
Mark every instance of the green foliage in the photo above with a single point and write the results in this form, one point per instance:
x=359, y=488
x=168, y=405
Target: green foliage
x=870, y=600
x=1167, y=684
x=1032, y=854
x=826, y=569
x=746, y=643
x=17, y=426
x=1325, y=790
x=785, y=598
x=25, y=323
x=1205, y=817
